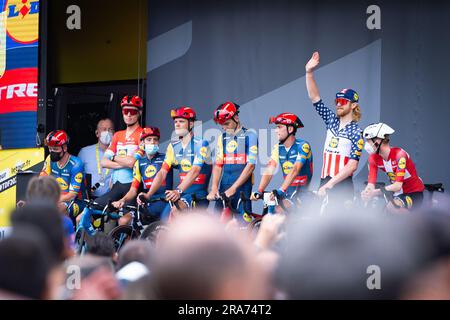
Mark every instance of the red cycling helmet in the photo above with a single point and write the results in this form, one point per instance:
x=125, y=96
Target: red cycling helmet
x=149, y=131
x=131, y=101
x=288, y=119
x=184, y=112
x=225, y=112
x=57, y=138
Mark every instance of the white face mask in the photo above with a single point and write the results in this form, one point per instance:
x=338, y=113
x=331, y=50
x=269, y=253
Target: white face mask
x=369, y=148
x=151, y=149
x=106, y=137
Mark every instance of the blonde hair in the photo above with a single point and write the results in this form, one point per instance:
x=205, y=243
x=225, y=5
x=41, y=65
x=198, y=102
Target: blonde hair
x=356, y=113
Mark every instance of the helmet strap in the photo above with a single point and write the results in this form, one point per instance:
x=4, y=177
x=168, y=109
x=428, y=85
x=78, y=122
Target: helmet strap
x=289, y=134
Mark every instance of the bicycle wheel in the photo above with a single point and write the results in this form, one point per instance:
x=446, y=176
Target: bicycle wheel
x=151, y=231
x=80, y=241
x=121, y=234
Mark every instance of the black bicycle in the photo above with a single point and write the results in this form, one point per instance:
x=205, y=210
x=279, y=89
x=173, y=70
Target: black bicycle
x=141, y=217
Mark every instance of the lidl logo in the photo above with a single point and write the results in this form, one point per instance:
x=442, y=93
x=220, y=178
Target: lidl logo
x=334, y=142
x=186, y=165
x=122, y=153
x=75, y=209
x=402, y=163
x=231, y=146
x=360, y=144
x=287, y=167
x=79, y=177
x=306, y=148
x=203, y=152
x=150, y=171
x=23, y=20
x=2, y=41
x=62, y=184
x=391, y=176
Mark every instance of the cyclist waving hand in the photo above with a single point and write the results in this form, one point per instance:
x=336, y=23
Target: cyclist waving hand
x=343, y=143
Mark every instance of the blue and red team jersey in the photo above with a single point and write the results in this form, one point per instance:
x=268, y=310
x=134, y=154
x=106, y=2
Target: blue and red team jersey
x=399, y=167
x=196, y=153
x=145, y=171
x=299, y=152
x=341, y=145
x=70, y=177
x=233, y=153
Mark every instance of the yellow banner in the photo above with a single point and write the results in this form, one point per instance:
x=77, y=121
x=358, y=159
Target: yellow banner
x=12, y=161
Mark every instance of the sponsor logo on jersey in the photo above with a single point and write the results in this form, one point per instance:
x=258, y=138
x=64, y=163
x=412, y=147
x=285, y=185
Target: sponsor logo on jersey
x=360, y=144
x=203, y=152
x=186, y=165
x=402, y=163
x=306, y=148
x=231, y=146
x=391, y=176
x=79, y=177
x=62, y=184
x=150, y=171
x=334, y=142
x=287, y=167
x=254, y=149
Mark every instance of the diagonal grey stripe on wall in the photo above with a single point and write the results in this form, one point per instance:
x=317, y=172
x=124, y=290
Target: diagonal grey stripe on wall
x=169, y=46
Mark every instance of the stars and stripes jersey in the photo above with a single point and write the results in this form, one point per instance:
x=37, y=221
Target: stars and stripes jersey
x=121, y=146
x=340, y=145
x=399, y=168
x=299, y=152
x=70, y=177
x=145, y=171
x=234, y=152
x=196, y=153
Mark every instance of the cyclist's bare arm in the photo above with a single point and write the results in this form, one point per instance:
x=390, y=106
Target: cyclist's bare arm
x=190, y=178
x=311, y=86
x=395, y=187
x=69, y=196
x=291, y=175
x=106, y=163
x=216, y=175
x=131, y=194
x=125, y=162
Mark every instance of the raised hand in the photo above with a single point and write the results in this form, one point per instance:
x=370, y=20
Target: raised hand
x=313, y=62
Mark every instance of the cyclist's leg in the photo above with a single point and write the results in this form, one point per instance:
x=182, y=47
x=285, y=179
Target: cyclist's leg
x=117, y=191
x=411, y=201
x=340, y=198
x=157, y=208
x=243, y=209
x=75, y=210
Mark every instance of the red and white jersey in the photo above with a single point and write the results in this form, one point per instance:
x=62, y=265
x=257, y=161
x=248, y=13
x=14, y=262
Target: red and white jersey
x=399, y=168
x=341, y=145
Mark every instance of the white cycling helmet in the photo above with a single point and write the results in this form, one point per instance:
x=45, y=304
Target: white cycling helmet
x=377, y=130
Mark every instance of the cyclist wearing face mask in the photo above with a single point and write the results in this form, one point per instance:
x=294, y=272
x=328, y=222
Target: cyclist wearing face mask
x=67, y=169
x=145, y=169
x=93, y=154
x=398, y=165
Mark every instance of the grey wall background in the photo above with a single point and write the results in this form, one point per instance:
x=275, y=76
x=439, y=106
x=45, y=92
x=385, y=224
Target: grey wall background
x=253, y=52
